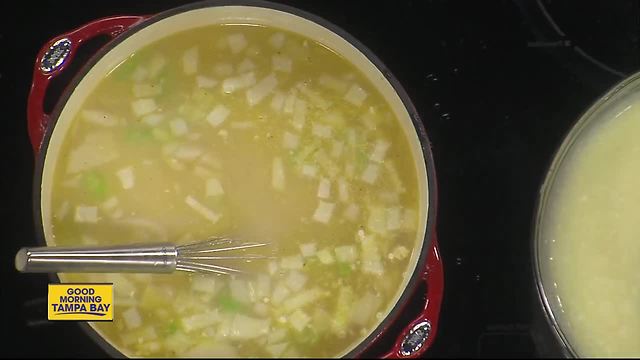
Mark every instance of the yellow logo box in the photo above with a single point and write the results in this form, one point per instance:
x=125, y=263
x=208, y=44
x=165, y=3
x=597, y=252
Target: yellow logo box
x=81, y=302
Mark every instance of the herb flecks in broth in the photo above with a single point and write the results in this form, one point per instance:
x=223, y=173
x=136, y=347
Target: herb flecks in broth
x=254, y=133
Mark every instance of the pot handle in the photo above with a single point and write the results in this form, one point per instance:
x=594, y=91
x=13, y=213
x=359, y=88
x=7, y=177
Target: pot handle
x=418, y=336
x=54, y=57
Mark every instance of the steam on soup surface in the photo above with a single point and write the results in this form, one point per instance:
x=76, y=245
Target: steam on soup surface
x=256, y=134
x=591, y=237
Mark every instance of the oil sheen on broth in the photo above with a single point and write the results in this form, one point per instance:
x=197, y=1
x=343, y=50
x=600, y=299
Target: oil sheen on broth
x=591, y=237
x=257, y=134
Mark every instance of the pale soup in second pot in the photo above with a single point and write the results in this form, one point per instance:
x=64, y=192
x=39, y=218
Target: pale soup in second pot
x=590, y=236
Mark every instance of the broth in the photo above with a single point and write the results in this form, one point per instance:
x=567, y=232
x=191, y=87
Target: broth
x=253, y=133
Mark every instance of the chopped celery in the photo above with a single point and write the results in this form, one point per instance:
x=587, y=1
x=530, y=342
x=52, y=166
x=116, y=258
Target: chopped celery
x=308, y=336
x=137, y=134
x=228, y=304
x=96, y=184
x=362, y=160
x=344, y=269
x=172, y=327
x=342, y=313
x=300, y=156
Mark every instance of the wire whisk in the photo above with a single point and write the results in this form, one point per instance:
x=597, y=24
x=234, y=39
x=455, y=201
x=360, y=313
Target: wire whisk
x=201, y=257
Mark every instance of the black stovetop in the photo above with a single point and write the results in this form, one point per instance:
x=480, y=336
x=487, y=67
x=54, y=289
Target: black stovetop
x=497, y=84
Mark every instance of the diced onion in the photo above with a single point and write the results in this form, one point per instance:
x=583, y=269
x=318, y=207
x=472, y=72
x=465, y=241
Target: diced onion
x=380, y=150
x=218, y=115
x=272, y=267
x=143, y=106
x=143, y=90
x=240, y=290
x=299, y=320
x=289, y=140
x=63, y=210
x=356, y=95
x=178, y=127
x=308, y=249
x=325, y=257
x=277, y=176
x=242, y=125
x=263, y=88
x=370, y=174
x=190, y=61
x=140, y=74
x=394, y=218
x=263, y=286
x=410, y=220
x=202, y=210
x=281, y=63
x=299, y=114
x=205, y=82
x=277, y=101
x=245, y=65
x=377, y=221
x=367, y=306
x=205, y=349
x=276, y=350
x=324, y=188
x=346, y=253
x=152, y=119
x=132, y=318
x=323, y=212
x=296, y=280
x=343, y=190
x=399, y=253
x=223, y=69
x=279, y=294
x=277, y=40
x=352, y=212
x=315, y=98
x=337, y=148
x=277, y=335
x=320, y=130
x=394, y=176
x=86, y=214
x=237, y=42
x=88, y=240
x=127, y=178
x=309, y=170
x=204, y=284
x=187, y=152
x=158, y=63
x=333, y=83
x=200, y=321
x=229, y=85
x=245, y=327
x=214, y=187
x=293, y=262
x=301, y=299
x=290, y=101
x=371, y=262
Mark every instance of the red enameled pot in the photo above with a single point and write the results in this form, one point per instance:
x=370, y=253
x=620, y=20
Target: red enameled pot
x=127, y=31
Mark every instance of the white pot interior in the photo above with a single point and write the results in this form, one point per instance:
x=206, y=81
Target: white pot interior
x=236, y=15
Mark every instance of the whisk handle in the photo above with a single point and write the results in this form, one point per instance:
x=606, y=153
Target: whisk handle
x=140, y=259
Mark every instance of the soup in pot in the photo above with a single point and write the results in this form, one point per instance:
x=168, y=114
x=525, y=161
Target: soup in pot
x=257, y=134
x=591, y=237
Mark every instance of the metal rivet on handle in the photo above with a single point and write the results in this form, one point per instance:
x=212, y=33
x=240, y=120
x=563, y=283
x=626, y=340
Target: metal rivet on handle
x=417, y=336
x=55, y=56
